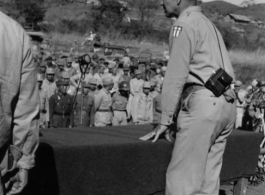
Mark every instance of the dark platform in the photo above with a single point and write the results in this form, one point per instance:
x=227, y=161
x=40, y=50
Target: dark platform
x=112, y=160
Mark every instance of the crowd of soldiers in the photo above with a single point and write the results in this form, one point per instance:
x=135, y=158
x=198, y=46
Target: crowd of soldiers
x=111, y=92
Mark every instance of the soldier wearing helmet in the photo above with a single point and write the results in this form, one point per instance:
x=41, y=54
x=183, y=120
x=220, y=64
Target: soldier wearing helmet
x=44, y=104
x=84, y=108
x=60, y=105
x=142, y=106
x=103, y=101
x=119, y=104
x=48, y=83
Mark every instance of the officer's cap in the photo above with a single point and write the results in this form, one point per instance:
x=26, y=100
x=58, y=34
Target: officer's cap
x=39, y=77
x=107, y=81
x=60, y=83
x=50, y=71
x=69, y=60
x=126, y=68
x=86, y=85
x=164, y=68
x=61, y=62
x=66, y=75
x=238, y=83
x=93, y=81
x=138, y=72
x=146, y=85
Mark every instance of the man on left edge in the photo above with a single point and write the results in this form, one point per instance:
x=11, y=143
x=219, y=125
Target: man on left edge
x=19, y=105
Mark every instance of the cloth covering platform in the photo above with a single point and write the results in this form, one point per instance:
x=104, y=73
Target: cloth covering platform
x=113, y=161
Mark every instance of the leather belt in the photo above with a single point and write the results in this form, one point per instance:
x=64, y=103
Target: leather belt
x=103, y=110
x=120, y=110
x=61, y=113
x=190, y=88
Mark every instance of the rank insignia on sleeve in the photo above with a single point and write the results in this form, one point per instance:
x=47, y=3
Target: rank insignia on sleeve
x=176, y=31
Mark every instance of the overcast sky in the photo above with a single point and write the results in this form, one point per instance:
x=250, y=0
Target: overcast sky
x=237, y=1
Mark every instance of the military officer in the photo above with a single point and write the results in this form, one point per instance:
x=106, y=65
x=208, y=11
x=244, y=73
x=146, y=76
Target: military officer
x=48, y=83
x=60, y=105
x=86, y=103
x=119, y=104
x=44, y=104
x=66, y=77
x=196, y=50
x=103, y=116
x=142, y=106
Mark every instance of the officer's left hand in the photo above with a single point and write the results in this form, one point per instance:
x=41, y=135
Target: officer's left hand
x=19, y=181
x=159, y=130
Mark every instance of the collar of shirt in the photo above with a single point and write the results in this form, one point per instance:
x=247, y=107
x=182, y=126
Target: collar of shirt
x=190, y=9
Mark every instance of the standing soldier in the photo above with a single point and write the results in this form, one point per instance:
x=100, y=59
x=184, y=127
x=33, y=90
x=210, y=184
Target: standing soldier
x=119, y=104
x=83, y=117
x=75, y=63
x=136, y=84
x=48, y=83
x=93, y=87
x=42, y=69
x=69, y=69
x=60, y=69
x=44, y=104
x=103, y=116
x=126, y=77
x=142, y=106
x=196, y=51
x=60, y=106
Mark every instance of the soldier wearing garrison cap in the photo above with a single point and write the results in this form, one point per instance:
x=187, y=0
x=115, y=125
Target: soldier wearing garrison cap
x=142, y=106
x=42, y=69
x=44, y=104
x=196, y=51
x=103, y=101
x=60, y=105
x=84, y=108
x=48, y=83
x=93, y=87
x=68, y=68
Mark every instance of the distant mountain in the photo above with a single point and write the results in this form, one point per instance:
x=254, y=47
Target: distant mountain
x=220, y=7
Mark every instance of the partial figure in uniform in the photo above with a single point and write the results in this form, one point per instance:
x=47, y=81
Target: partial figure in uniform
x=66, y=77
x=42, y=69
x=60, y=69
x=240, y=105
x=69, y=69
x=93, y=87
x=153, y=89
x=126, y=60
x=159, y=78
x=157, y=108
x=116, y=78
x=60, y=106
x=75, y=63
x=136, y=84
x=126, y=77
x=44, y=104
x=87, y=104
x=19, y=107
x=119, y=104
x=103, y=116
x=142, y=106
x=48, y=83
x=196, y=50
x=49, y=63
x=100, y=75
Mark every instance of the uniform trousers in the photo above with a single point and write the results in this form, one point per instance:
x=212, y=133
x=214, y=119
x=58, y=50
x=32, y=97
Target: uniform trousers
x=204, y=123
x=103, y=119
x=119, y=118
x=59, y=121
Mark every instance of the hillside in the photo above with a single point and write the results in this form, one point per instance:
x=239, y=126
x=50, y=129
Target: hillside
x=220, y=7
x=254, y=12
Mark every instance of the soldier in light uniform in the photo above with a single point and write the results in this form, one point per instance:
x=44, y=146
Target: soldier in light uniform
x=66, y=77
x=103, y=116
x=60, y=69
x=44, y=104
x=119, y=104
x=87, y=110
x=48, y=83
x=136, y=84
x=240, y=105
x=60, y=106
x=142, y=106
x=196, y=50
x=42, y=69
x=100, y=75
x=75, y=63
x=126, y=76
x=69, y=69
x=153, y=88
x=93, y=87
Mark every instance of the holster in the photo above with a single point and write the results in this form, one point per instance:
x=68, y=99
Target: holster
x=219, y=82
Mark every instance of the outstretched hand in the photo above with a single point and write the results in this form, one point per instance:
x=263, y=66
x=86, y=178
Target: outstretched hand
x=159, y=130
x=18, y=182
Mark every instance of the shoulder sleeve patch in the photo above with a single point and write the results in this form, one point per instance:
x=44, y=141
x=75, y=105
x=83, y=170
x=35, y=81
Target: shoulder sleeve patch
x=176, y=31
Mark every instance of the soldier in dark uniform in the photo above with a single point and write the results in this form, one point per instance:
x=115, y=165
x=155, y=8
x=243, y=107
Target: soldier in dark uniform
x=60, y=105
x=88, y=109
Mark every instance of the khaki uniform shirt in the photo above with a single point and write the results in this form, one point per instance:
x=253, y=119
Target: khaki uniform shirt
x=19, y=94
x=136, y=86
x=119, y=102
x=194, y=55
x=50, y=87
